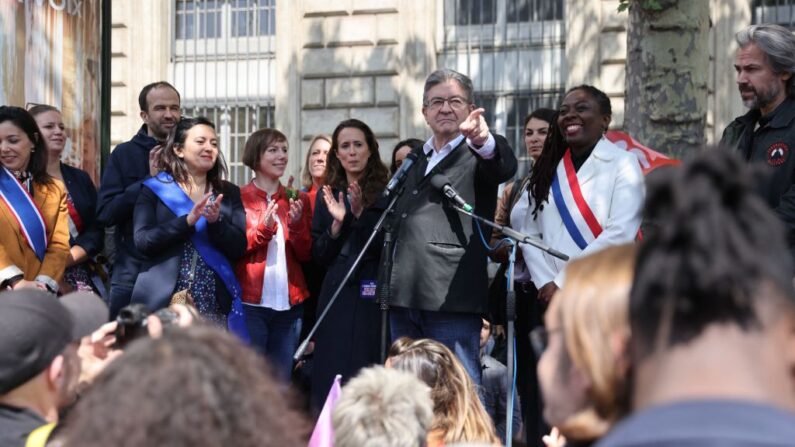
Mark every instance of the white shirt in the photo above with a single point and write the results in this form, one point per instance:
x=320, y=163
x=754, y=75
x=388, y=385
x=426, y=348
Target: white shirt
x=518, y=215
x=487, y=151
x=275, y=288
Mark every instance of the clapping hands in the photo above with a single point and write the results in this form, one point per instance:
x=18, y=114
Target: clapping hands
x=269, y=217
x=296, y=211
x=210, y=209
x=335, y=206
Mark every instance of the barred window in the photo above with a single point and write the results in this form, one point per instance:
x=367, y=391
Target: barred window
x=198, y=19
x=472, y=12
x=514, y=52
x=214, y=19
x=253, y=17
x=516, y=106
x=779, y=12
x=234, y=124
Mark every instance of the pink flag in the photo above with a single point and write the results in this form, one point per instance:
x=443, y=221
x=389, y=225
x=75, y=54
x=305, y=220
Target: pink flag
x=323, y=434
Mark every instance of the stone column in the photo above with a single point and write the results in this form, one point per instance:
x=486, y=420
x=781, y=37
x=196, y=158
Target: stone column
x=583, y=27
x=141, y=49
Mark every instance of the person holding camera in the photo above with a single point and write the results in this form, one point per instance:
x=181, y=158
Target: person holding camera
x=42, y=365
x=190, y=224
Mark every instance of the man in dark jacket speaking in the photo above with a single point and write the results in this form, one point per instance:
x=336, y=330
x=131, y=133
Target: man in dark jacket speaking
x=439, y=281
x=765, y=64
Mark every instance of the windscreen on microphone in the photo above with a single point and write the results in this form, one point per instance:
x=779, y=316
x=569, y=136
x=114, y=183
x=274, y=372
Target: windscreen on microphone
x=439, y=181
x=411, y=158
x=400, y=174
x=442, y=183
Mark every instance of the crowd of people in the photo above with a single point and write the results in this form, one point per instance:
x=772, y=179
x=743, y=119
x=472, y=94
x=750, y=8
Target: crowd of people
x=183, y=330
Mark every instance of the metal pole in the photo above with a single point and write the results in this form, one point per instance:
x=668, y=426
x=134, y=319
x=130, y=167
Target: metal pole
x=104, y=101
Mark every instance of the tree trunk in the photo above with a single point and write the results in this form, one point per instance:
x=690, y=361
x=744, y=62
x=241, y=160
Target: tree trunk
x=667, y=64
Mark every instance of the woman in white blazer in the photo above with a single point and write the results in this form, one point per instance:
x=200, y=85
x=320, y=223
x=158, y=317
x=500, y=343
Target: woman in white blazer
x=585, y=192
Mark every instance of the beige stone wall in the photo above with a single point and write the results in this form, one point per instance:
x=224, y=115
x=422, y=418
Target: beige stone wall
x=140, y=49
x=596, y=47
x=368, y=58
x=361, y=59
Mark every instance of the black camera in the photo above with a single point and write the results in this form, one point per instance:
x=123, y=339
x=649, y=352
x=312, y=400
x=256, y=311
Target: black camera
x=132, y=322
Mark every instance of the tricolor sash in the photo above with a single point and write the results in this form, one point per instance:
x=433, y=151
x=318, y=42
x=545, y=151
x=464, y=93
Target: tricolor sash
x=180, y=204
x=75, y=221
x=577, y=216
x=19, y=201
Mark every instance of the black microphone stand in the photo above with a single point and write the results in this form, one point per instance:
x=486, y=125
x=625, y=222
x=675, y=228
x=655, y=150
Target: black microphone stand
x=515, y=237
x=384, y=287
x=302, y=347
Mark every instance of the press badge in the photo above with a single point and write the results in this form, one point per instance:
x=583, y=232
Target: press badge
x=367, y=289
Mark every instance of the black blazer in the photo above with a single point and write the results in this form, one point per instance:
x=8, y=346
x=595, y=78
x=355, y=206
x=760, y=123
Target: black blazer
x=439, y=259
x=160, y=235
x=84, y=197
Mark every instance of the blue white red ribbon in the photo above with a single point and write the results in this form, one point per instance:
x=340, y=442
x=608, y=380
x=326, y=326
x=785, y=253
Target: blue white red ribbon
x=577, y=216
x=25, y=211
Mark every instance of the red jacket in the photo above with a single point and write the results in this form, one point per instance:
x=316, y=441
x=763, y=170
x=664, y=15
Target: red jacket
x=250, y=268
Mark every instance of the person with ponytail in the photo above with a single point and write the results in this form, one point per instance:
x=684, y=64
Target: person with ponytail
x=712, y=314
x=585, y=192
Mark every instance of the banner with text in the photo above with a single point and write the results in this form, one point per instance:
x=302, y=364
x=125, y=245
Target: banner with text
x=51, y=53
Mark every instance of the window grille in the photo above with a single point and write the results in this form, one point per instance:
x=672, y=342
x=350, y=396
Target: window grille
x=223, y=64
x=514, y=52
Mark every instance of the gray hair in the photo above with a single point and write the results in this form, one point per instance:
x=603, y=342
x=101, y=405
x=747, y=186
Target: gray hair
x=383, y=407
x=777, y=43
x=443, y=75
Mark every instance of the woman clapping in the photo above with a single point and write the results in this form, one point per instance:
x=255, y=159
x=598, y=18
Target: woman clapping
x=277, y=231
x=191, y=225
x=345, y=214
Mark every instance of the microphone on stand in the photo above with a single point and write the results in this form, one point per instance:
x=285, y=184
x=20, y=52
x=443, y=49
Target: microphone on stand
x=442, y=183
x=400, y=175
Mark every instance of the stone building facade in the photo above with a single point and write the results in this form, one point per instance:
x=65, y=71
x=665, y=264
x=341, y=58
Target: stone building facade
x=321, y=61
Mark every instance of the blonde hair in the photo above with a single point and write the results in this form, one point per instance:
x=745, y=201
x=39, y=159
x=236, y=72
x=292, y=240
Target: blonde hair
x=592, y=308
x=306, y=176
x=457, y=410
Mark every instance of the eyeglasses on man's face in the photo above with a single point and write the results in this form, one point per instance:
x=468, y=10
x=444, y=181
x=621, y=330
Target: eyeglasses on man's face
x=455, y=102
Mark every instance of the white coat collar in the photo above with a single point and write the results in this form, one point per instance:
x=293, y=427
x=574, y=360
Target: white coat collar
x=604, y=151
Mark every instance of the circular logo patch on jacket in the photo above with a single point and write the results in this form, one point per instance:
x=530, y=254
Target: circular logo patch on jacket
x=777, y=154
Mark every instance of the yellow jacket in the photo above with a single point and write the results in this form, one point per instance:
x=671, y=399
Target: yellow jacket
x=16, y=256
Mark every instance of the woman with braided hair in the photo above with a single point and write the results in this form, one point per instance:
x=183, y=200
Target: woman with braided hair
x=585, y=192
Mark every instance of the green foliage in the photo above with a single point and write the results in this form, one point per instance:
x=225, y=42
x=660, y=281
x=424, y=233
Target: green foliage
x=649, y=5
